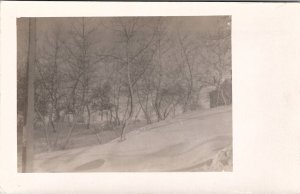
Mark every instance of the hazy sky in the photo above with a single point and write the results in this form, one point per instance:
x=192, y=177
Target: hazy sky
x=195, y=25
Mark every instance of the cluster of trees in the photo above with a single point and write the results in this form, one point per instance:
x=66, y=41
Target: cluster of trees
x=136, y=65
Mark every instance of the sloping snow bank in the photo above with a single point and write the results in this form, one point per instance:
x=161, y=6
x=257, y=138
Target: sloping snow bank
x=197, y=141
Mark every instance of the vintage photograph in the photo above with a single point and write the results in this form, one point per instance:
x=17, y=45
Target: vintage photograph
x=124, y=94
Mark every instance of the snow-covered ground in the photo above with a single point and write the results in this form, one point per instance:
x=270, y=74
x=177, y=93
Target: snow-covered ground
x=196, y=141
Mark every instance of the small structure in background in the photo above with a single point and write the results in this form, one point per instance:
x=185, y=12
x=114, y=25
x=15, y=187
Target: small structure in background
x=221, y=95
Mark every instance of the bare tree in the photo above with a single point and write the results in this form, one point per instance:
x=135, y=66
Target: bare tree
x=50, y=91
x=144, y=89
x=50, y=95
x=186, y=52
x=164, y=74
x=133, y=60
x=82, y=60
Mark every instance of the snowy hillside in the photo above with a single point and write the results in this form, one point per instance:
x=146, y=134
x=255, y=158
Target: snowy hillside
x=196, y=141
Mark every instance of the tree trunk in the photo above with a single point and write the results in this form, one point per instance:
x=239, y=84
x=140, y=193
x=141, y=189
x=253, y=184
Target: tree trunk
x=45, y=130
x=138, y=113
x=70, y=132
x=117, y=119
x=123, y=132
x=157, y=108
x=110, y=116
x=89, y=116
x=223, y=97
x=130, y=95
x=51, y=121
x=144, y=109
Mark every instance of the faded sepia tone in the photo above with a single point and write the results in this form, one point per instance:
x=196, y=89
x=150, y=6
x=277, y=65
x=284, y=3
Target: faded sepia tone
x=135, y=94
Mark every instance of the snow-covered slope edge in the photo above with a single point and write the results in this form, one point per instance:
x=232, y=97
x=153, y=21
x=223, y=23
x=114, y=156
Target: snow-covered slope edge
x=197, y=141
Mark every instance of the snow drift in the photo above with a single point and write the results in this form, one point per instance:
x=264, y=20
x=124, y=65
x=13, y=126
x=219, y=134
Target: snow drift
x=196, y=141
